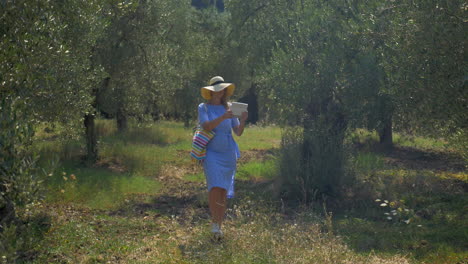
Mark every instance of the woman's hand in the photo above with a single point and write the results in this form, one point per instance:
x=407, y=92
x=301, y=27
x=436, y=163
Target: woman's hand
x=240, y=128
x=228, y=114
x=244, y=116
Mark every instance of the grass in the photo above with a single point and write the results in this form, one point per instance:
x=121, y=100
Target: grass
x=421, y=143
x=145, y=202
x=257, y=138
x=257, y=170
x=97, y=188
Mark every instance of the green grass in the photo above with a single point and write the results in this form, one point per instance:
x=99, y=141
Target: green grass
x=368, y=138
x=257, y=170
x=365, y=162
x=97, y=188
x=197, y=177
x=419, y=142
x=255, y=138
x=145, y=202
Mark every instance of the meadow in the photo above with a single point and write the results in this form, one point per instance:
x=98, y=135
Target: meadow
x=145, y=202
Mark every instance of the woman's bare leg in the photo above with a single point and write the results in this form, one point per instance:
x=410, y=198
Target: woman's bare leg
x=217, y=204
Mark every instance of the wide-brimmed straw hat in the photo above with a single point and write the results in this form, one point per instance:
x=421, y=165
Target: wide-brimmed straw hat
x=217, y=84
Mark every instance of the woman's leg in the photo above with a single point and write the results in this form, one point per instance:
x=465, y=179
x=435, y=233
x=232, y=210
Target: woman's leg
x=217, y=204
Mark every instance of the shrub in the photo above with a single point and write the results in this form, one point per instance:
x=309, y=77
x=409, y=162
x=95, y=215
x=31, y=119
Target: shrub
x=312, y=164
x=20, y=181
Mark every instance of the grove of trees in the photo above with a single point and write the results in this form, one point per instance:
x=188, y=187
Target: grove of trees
x=318, y=68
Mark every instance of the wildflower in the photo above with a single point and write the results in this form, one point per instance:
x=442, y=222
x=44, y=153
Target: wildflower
x=385, y=201
x=62, y=191
x=406, y=210
x=419, y=225
x=394, y=213
x=377, y=200
x=50, y=175
x=389, y=218
x=386, y=214
x=64, y=173
x=65, y=178
x=407, y=221
x=73, y=177
x=383, y=204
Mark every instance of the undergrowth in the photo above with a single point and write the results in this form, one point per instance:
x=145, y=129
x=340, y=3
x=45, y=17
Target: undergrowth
x=145, y=202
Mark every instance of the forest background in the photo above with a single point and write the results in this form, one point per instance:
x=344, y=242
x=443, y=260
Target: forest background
x=347, y=83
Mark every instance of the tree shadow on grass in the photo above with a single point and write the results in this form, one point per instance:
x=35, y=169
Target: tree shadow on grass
x=431, y=184
x=416, y=159
x=178, y=199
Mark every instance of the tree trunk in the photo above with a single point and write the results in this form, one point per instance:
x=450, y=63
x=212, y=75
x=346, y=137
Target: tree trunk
x=122, y=122
x=386, y=135
x=251, y=98
x=91, y=139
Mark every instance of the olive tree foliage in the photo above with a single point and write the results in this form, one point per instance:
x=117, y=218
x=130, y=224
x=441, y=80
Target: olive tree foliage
x=44, y=59
x=199, y=52
x=46, y=76
x=154, y=57
x=317, y=80
x=253, y=34
x=418, y=47
x=427, y=67
x=44, y=56
x=135, y=57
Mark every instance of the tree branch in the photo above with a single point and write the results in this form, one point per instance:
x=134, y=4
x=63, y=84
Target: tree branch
x=247, y=17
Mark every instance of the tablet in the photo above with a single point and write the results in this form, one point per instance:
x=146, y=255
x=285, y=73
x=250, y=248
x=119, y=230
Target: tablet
x=238, y=108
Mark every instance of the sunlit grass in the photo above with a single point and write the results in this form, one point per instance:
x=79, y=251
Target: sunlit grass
x=96, y=188
x=94, y=238
x=368, y=138
x=197, y=177
x=255, y=137
x=256, y=170
x=256, y=231
x=419, y=142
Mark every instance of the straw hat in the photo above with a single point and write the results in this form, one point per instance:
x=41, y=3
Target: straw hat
x=217, y=84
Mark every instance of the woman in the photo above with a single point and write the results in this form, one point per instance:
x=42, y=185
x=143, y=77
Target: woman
x=222, y=151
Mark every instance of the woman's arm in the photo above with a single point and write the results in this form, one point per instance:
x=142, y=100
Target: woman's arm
x=210, y=125
x=240, y=128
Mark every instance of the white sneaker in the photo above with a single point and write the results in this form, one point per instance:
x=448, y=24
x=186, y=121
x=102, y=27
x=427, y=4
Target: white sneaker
x=216, y=231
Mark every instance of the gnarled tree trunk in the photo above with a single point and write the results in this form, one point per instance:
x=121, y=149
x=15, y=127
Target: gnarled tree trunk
x=386, y=135
x=91, y=139
x=122, y=121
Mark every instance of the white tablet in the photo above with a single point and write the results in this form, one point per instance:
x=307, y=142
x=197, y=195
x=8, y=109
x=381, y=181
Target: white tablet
x=238, y=108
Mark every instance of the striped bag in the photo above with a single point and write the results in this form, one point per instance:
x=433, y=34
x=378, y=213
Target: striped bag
x=200, y=139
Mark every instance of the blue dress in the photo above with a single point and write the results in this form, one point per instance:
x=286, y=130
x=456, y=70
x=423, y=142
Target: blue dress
x=222, y=151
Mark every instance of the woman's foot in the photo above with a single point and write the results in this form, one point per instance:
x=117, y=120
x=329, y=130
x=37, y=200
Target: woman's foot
x=216, y=232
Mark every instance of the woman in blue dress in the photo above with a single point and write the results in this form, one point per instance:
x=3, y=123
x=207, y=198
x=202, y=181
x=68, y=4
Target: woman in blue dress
x=222, y=151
